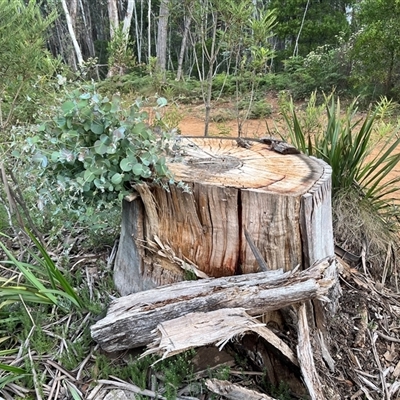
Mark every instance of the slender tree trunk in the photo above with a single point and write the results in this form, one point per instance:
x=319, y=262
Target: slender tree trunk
x=70, y=24
x=113, y=16
x=138, y=39
x=149, y=32
x=128, y=20
x=188, y=20
x=162, y=35
x=296, y=46
x=211, y=57
x=88, y=36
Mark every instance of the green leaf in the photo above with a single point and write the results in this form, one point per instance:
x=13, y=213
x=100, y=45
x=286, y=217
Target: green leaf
x=100, y=147
x=11, y=368
x=97, y=128
x=139, y=128
x=162, y=102
x=137, y=169
x=126, y=164
x=67, y=107
x=117, y=178
x=89, y=176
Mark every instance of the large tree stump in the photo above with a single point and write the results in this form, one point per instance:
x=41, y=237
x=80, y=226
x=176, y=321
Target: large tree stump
x=282, y=202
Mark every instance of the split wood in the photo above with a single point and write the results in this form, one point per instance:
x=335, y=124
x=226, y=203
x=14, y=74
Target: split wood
x=132, y=320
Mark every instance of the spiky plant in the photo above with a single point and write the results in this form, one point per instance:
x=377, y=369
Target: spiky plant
x=361, y=162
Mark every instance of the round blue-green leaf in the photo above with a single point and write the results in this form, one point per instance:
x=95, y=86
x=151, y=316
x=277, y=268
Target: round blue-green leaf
x=97, y=128
x=100, y=147
x=162, y=101
x=146, y=172
x=99, y=183
x=55, y=155
x=68, y=106
x=126, y=164
x=139, y=128
x=117, y=178
x=89, y=175
x=137, y=169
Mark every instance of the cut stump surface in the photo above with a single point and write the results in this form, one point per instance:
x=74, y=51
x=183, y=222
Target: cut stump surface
x=283, y=202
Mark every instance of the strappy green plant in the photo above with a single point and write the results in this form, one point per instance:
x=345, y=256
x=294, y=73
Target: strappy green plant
x=43, y=281
x=345, y=143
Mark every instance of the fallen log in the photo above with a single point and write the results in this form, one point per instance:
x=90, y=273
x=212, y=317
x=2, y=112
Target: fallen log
x=131, y=321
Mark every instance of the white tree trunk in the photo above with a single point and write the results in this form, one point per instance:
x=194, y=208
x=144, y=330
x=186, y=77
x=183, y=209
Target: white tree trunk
x=71, y=30
x=149, y=32
x=162, y=34
x=128, y=20
x=113, y=16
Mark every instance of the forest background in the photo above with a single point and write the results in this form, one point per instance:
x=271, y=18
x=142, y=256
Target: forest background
x=78, y=77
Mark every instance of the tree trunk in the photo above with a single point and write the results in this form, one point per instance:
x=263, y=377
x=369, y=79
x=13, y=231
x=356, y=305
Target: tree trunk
x=71, y=30
x=128, y=20
x=162, y=34
x=149, y=32
x=187, y=22
x=113, y=16
x=237, y=188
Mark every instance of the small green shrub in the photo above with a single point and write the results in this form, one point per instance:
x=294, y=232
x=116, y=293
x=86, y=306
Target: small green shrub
x=260, y=109
x=96, y=148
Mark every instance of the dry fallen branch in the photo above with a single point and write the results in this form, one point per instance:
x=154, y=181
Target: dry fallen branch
x=200, y=329
x=234, y=392
x=131, y=320
x=306, y=359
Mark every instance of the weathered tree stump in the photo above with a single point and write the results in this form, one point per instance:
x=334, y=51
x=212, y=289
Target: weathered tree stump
x=280, y=199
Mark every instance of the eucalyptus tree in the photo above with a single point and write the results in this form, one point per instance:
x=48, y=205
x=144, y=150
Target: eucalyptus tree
x=304, y=25
x=119, y=36
x=23, y=55
x=70, y=16
x=187, y=21
x=233, y=34
x=376, y=48
x=162, y=35
x=247, y=43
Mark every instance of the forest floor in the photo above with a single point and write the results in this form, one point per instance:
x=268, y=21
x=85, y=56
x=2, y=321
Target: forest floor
x=363, y=338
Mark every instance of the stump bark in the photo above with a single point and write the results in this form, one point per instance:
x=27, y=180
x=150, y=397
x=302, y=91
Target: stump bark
x=281, y=201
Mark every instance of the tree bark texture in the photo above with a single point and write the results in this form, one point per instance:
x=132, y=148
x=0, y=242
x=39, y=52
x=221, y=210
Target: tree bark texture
x=281, y=201
x=162, y=34
x=113, y=16
x=131, y=320
x=71, y=30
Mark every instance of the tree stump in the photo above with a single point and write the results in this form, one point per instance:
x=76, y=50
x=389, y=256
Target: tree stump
x=279, y=199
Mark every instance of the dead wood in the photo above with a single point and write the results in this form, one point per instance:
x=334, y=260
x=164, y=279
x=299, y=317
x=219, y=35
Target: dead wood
x=220, y=326
x=306, y=358
x=131, y=320
x=234, y=392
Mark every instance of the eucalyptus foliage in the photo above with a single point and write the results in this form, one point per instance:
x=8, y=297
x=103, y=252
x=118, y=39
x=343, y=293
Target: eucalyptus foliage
x=95, y=148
